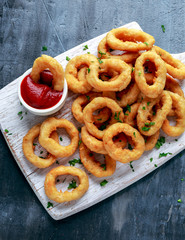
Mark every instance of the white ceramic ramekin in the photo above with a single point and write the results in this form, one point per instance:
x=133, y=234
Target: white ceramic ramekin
x=42, y=112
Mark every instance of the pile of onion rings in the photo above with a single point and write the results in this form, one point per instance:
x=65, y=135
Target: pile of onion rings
x=126, y=97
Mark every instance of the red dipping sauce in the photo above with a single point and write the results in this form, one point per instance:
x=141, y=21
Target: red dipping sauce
x=40, y=95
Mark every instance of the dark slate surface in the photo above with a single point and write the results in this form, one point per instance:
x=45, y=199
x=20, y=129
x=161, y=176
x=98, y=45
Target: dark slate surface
x=146, y=210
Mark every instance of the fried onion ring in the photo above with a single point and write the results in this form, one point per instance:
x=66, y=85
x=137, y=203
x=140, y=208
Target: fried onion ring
x=98, y=103
x=117, y=83
x=174, y=66
x=178, y=104
x=60, y=197
x=148, y=123
x=94, y=166
x=129, y=40
x=28, y=148
x=44, y=62
x=71, y=73
x=152, y=91
x=130, y=115
x=105, y=52
x=151, y=141
x=119, y=154
x=50, y=125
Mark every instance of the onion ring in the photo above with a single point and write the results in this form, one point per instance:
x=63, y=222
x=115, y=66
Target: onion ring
x=104, y=53
x=156, y=89
x=50, y=125
x=117, y=83
x=60, y=197
x=97, y=103
x=119, y=154
x=126, y=40
x=44, y=62
x=130, y=115
x=94, y=166
x=148, y=123
x=151, y=141
x=178, y=104
x=174, y=66
x=28, y=148
x=71, y=73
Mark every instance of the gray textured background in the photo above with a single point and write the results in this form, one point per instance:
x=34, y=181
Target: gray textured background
x=146, y=210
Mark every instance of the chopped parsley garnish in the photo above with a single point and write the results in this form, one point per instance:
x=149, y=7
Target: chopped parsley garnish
x=88, y=52
x=88, y=98
x=116, y=116
x=21, y=118
x=99, y=119
x=145, y=128
x=6, y=130
x=90, y=154
x=74, y=161
x=164, y=154
x=44, y=48
x=179, y=200
x=134, y=134
x=61, y=139
x=79, y=129
x=160, y=142
x=118, y=98
x=103, y=166
x=176, y=140
x=128, y=108
x=150, y=124
x=129, y=146
x=103, y=183
x=102, y=53
x=34, y=144
x=58, y=180
x=57, y=162
x=155, y=165
x=19, y=113
x=88, y=70
x=132, y=69
x=144, y=108
x=146, y=43
x=126, y=114
x=49, y=205
x=182, y=179
x=151, y=159
x=85, y=47
x=100, y=61
x=102, y=127
x=72, y=184
x=139, y=73
x=21, y=103
x=80, y=141
x=130, y=164
x=41, y=152
x=147, y=60
x=67, y=58
x=148, y=103
x=42, y=157
x=163, y=28
x=9, y=133
x=154, y=113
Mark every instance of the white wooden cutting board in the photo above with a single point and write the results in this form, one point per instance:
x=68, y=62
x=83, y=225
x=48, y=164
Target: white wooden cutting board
x=123, y=177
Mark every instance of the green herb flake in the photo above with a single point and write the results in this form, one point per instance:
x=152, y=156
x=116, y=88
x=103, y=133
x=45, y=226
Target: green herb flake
x=160, y=142
x=85, y=47
x=128, y=108
x=116, y=116
x=57, y=162
x=9, y=133
x=74, y=161
x=88, y=70
x=126, y=114
x=179, y=200
x=21, y=118
x=146, y=43
x=88, y=53
x=100, y=61
x=154, y=113
x=49, y=205
x=101, y=53
x=130, y=164
x=152, y=123
x=134, y=134
x=99, y=119
x=34, y=144
x=41, y=152
x=80, y=141
x=44, y=48
x=144, y=108
x=147, y=60
x=155, y=165
x=182, y=179
x=72, y=184
x=19, y=113
x=163, y=28
x=164, y=154
x=145, y=129
x=6, y=130
x=118, y=98
x=88, y=98
x=103, y=183
x=79, y=129
x=61, y=139
x=139, y=73
x=21, y=103
x=132, y=69
x=67, y=58
x=129, y=146
x=42, y=157
x=151, y=159
x=176, y=140
x=90, y=154
x=148, y=103
x=103, y=166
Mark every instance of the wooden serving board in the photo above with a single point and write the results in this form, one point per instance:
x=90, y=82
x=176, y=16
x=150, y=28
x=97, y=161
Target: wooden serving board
x=123, y=176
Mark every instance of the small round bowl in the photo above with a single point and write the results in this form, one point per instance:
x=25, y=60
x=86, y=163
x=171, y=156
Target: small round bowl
x=42, y=112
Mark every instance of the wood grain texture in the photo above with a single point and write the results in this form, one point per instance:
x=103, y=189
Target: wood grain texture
x=146, y=210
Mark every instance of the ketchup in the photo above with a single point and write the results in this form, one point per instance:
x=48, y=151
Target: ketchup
x=40, y=95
